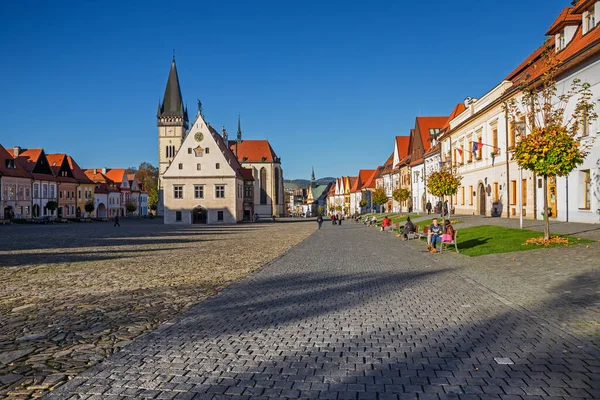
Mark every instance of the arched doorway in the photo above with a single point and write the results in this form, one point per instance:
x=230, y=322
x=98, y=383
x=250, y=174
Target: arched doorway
x=101, y=211
x=8, y=212
x=199, y=215
x=36, y=211
x=78, y=212
x=482, y=200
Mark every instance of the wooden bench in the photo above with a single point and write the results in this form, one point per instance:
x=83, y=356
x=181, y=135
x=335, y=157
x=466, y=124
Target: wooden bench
x=415, y=234
x=453, y=242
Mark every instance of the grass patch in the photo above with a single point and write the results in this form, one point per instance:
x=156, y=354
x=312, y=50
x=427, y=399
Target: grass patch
x=486, y=239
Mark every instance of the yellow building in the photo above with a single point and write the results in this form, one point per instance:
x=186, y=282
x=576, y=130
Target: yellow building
x=85, y=188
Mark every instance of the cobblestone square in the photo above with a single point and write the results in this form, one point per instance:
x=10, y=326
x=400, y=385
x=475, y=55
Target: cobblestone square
x=72, y=294
x=350, y=313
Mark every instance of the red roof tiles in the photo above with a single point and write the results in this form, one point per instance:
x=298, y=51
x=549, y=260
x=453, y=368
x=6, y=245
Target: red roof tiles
x=10, y=167
x=254, y=151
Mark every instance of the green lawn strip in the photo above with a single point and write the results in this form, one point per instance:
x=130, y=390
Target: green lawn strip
x=487, y=239
x=427, y=222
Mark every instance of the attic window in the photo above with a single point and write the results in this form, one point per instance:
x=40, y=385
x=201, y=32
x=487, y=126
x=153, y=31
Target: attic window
x=180, y=166
x=207, y=150
x=263, y=159
x=560, y=42
x=244, y=159
x=434, y=131
x=189, y=150
x=589, y=19
x=54, y=164
x=218, y=166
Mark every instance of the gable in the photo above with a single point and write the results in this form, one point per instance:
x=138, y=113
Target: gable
x=193, y=152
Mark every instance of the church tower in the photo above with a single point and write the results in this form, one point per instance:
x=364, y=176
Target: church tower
x=172, y=122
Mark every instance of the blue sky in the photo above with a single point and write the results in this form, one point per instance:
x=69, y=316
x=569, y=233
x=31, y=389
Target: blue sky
x=329, y=83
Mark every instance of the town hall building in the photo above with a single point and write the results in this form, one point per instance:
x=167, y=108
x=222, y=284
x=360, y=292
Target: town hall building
x=205, y=178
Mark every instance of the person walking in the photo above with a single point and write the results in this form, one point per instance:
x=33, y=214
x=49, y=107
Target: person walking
x=332, y=219
x=385, y=224
x=320, y=220
x=339, y=218
x=428, y=207
x=117, y=221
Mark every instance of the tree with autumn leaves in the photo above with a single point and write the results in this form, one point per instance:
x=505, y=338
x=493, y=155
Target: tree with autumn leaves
x=401, y=195
x=379, y=197
x=553, y=145
x=443, y=183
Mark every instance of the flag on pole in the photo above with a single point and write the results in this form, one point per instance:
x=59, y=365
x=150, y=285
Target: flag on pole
x=479, y=145
x=475, y=147
x=460, y=151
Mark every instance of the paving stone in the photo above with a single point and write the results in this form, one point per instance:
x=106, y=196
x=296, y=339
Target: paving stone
x=353, y=313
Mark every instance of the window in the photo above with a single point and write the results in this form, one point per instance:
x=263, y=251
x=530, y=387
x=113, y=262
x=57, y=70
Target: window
x=524, y=192
x=207, y=150
x=496, y=150
x=218, y=166
x=589, y=19
x=479, y=148
x=177, y=215
x=220, y=191
x=61, y=194
x=27, y=193
x=79, y=194
x=470, y=195
x=277, y=184
x=561, y=41
x=52, y=189
x=585, y=124
x=496, y=192
x=513, y=192
x=462, y=196
x=248, y=191
x=198, y=167
x=263, y=186
x=219, y=215
x=198, y=191
x=189, y=150
x=178, y=191
x=585, y=185
x=36, y=191
x=434, y=131
x=180, y=166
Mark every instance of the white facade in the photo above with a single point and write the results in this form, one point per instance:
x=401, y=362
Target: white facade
x=15, y=197
x=577, y=196
x=202, y=184
x=101, y=204
x=418, y=188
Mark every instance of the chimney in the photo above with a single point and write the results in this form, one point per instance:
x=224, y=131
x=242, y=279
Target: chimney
x=16, y=151
x=104, y=170
x=95, y=171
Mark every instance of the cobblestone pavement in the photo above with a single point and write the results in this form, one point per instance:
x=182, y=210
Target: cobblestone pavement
x=560, y=284
x=350, y=313
x=73, y=294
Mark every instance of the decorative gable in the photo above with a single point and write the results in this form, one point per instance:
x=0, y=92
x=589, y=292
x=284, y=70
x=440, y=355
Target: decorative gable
x=202, y=155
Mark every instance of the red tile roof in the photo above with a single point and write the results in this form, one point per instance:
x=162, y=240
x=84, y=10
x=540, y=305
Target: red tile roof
x=427, y=123
x=402, y=142
x=116, y=174
x=254, y=151
x=352, y=181
x=458, y=109
x=370, y=181
x=97, y=176
x=566, y=17
x=10, y=167
x=29, y=157
x=78, y=172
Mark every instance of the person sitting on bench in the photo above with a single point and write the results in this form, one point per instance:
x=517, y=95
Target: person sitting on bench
x=409, y=227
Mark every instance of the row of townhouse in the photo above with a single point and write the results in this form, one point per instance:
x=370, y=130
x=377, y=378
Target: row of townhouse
x=478, y=138
x=30, y=179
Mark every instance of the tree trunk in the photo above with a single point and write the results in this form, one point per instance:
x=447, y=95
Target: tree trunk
x=442, y=208
x=546, y=218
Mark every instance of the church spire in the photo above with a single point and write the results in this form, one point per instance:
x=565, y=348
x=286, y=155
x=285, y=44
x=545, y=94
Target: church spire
x=172, y=105
x=313, y=181
x=239, y=131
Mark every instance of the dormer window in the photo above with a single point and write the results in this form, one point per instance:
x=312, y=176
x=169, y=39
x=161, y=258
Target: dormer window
x=560, y=42
x=589, y=19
